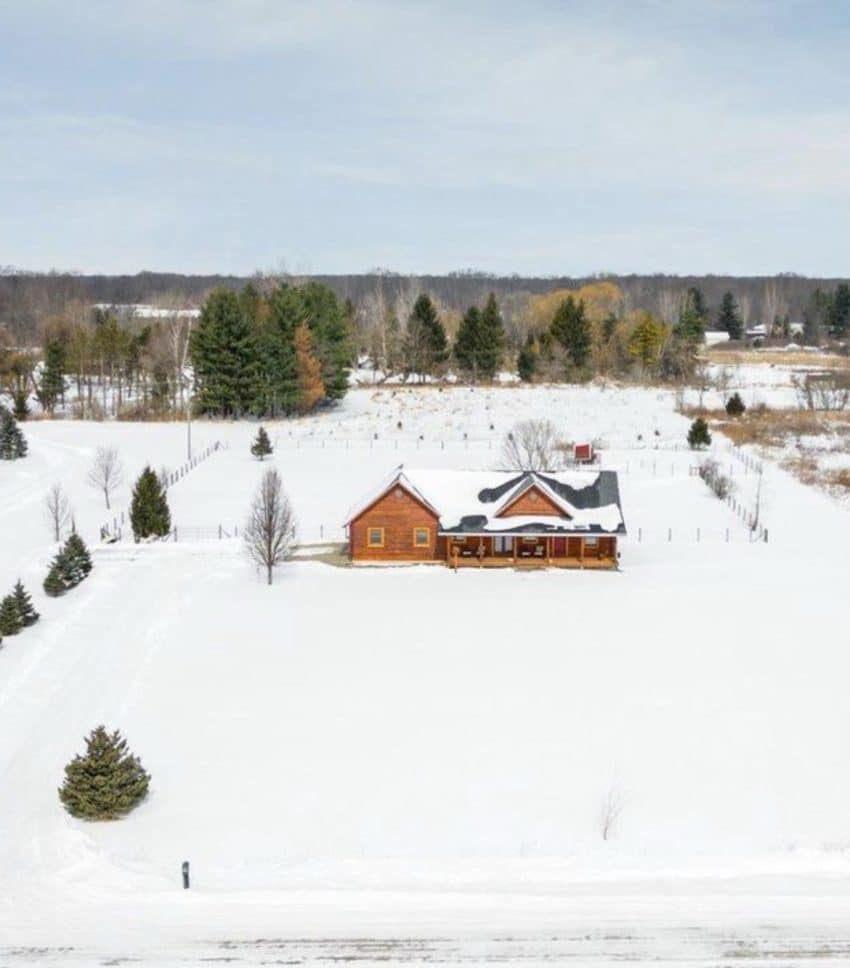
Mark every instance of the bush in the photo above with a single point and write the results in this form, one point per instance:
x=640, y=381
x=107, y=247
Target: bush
x=105, y=783
x=721, y=484
x=262, y=446
x=735, y=406
x=699, y=435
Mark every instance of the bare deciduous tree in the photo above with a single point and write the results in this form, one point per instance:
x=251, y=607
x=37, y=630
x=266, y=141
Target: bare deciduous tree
x=611, y=811
x=57, y=510
x=533, y=445
x=106, y=472
x=270, y=531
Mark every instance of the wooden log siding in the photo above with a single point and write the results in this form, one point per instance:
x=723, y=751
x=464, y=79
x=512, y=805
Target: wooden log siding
x=533, y=502
x=399, y=513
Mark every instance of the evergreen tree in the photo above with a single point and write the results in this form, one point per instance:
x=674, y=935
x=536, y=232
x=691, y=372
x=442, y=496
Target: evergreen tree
x=262, y=446
x=149, y=513
x=53, y=584
x=571, y=328
x=311, y=388
x=698, y=434
x=728, y=319
x=105, y=783
x=491, y=340
x=29, y=616
x=76, y=560
x=11, y=620
x=52, y=384
x=467, y=341
x=735, y=406
x=839, y=310
x=223, y=356
x=20, y=406
x=277, y=391
x=693, y=316
x=425, y=345
x=526, y=363
x=13, y=444
x=330, y=328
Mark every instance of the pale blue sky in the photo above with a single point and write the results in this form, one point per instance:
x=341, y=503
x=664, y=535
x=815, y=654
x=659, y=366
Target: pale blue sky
x=537, y=137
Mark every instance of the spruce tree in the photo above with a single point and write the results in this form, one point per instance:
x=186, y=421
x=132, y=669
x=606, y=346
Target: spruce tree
x=76, y=559
x=106, y=782
x=28, y=614
x=149, y=513
x=735, y=406
x=425, y=345
x=571, y=328
x=491, y=341
x=13, y=444
x=11, y=621
x=728, y=319
x=21, y=408
x=839, y=310
x=698, y=434
x=53, y=584
x=262, y=446
x=223, y=356
x=52, y=384
x=693, y=316
x=526, y=363
x=467, y=340
x=331, y=331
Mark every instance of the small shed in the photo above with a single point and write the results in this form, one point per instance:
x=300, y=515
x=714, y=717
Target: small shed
x=583, y=454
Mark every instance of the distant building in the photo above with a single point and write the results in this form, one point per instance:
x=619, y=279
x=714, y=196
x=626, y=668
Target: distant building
x=144, y=311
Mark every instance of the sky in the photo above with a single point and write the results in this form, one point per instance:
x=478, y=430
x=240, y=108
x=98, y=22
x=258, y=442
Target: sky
x=545, y=137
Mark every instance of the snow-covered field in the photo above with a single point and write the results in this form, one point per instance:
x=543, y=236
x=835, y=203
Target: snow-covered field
x=415, y=758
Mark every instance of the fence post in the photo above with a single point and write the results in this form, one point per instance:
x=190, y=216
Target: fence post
x=765, y=535
x=698, y=535
x=175, y=534
x=640, y=534
x=321, y=531
x=727, y=536
x=669, y=534
x=219, y=532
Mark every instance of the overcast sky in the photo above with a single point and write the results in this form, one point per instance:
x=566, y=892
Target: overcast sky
x=537, y=137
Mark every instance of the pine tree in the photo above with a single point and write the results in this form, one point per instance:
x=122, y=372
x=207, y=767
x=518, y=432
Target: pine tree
x=571, y=328
x=262, y=446
x=425, y=345
x=735, y=406
x=106, y=782
x=21, y=408
x=467, y=340
x=13, y=444
x=330, y=327
x=53, y=584
x=491, y=340
x=693, y=316
x=223, y=356
x=526, y=363
x=52, y=384
x=11, y=621
x=29, y=616
x=839, y=310
x=311, y=388
x=698, y=434
x=76, y=560
x=149, y=513
x=728, y=319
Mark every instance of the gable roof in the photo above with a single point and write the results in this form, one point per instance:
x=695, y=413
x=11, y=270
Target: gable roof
x=528, y=483
x=469, y=501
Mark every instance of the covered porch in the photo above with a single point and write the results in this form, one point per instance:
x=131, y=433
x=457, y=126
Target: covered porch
x=530, y=551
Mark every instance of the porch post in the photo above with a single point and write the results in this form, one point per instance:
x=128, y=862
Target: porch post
x=581, y=552
x=548, y=549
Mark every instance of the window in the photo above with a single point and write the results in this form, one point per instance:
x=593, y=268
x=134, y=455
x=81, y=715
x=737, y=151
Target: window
x=590, y=542
x=375, y=537
x=421, y=537
x=503, y=544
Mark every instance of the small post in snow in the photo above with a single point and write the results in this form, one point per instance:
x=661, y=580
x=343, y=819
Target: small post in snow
x=185, y=871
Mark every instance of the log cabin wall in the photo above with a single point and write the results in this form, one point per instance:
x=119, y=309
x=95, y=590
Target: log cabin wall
x=399, y=514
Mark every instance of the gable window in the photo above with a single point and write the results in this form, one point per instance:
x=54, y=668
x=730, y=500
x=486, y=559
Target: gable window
x=375, y=537
x=421, y=537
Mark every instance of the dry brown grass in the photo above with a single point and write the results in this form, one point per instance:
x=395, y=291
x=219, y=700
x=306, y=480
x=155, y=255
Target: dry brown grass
x=839, y=479
x=816, y=361
x=771, y=428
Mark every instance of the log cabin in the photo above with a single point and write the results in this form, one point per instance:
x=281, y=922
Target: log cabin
x=490, y=519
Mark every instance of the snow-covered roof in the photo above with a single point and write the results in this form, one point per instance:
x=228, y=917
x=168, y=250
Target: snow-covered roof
x=469, y=502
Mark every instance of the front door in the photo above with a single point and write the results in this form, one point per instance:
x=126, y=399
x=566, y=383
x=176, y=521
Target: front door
x=559, y=547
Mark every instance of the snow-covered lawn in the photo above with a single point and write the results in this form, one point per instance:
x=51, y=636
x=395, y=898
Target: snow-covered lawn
x=409, y=752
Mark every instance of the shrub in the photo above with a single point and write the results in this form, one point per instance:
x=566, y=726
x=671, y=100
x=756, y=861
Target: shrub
x=698, y=434
x=735, y=406
x=261, y=446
